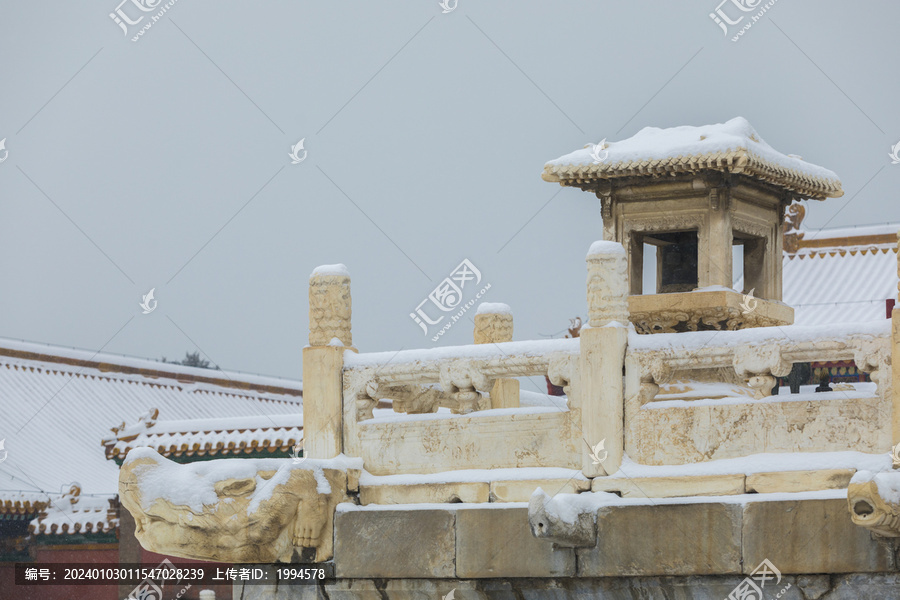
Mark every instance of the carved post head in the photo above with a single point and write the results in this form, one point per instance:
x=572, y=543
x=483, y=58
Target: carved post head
x=493, y=323
x=607, y=284
x=329, y=305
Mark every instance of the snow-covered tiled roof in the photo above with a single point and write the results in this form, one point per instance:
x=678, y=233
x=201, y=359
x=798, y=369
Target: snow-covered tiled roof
x=13, y=505
x=839, y=284
x=72, y=513
x=733, y=147
x=225, y=436
x=58, y=404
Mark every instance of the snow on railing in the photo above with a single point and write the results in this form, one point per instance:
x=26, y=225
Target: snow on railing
x=758, y=355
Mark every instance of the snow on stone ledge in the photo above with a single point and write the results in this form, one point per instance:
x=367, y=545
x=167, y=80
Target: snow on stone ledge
x=493, y=308
x=697, y=340
x=338, y=269
x=193, y=484
x=605, y=247
x=485, y=351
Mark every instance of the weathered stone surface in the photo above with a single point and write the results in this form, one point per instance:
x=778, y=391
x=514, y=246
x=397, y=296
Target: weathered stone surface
x=466, y=491
x=814, y=586
x=472, y=442
x=666, y=539
x=505, y=393
x=706, y=433
x=810, y=536
x=261, y=516
x=520, y=490
x=671, y=487
x=799, y=481
x=395, y=543
x=498, y=543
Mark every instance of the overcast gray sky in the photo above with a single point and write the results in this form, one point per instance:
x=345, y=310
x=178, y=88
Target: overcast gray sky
x=163, y=163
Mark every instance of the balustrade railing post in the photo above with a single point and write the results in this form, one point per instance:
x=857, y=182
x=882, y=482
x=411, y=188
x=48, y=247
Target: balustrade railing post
x=602, y=359
x=323, y=360
x=494, y=325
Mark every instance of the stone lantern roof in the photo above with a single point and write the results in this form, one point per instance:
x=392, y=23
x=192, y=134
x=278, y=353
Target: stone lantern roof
x=697, y=201
x=731, y=147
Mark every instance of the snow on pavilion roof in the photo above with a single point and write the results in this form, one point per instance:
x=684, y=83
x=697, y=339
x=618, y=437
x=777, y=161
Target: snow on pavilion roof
x=58, y=404
x=733, y=147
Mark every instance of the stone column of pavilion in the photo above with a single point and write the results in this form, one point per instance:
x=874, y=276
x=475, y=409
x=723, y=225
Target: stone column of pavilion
x=603, y=344
x=494, y=325
x=323, y=360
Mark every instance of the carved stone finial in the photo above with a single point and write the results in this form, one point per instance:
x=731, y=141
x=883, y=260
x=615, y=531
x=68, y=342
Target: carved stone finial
x=793, y=217
x=493, y=323
x=329, y=305
x=607, y=284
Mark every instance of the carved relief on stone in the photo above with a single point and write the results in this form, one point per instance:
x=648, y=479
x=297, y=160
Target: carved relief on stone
x=562, y=371
x=463, y=380
x=607, y=288
x=760, y=230
x=794, y=214
x=873, y=356
x=493, y=328
x=214, y=511
x=707, y=319
x=546, y=524
x=761, y=365
x=356, y=387
x=868, y=508
x=329, y=309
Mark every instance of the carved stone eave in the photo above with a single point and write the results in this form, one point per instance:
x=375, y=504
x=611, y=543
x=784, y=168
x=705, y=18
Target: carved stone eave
x=708, y=310
x=258, y=511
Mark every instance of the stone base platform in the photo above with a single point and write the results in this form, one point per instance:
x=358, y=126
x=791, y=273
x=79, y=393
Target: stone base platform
x=724, y=485
x=850, y=586
x=503, y=490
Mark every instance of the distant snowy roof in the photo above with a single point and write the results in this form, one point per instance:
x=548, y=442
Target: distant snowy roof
x=733, y=146
x=71, y=513
x=58, y=404
x=210, y=437
x=840, y=283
